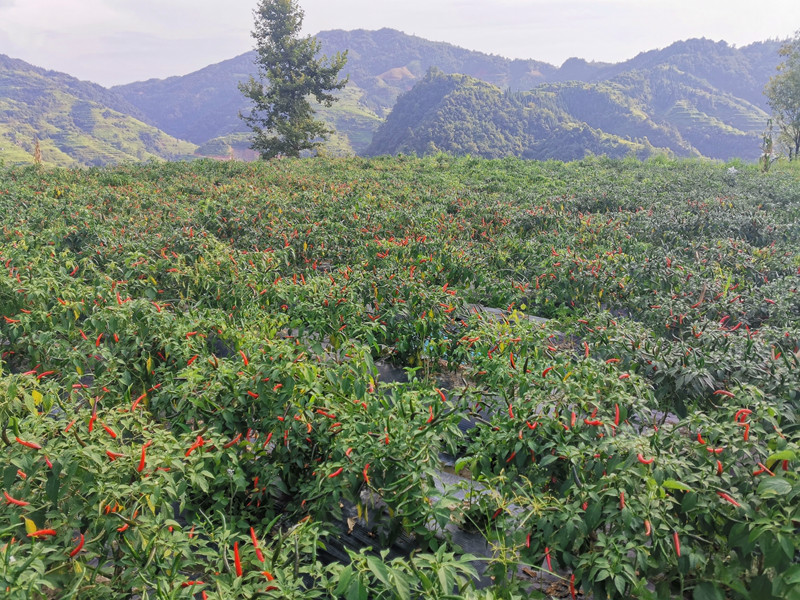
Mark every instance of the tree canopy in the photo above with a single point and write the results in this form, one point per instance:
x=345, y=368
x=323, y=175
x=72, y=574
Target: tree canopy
x=290, y=70
x=783, y=93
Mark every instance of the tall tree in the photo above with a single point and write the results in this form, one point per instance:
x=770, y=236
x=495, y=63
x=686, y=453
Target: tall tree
x=290, y=70
x=783, y=94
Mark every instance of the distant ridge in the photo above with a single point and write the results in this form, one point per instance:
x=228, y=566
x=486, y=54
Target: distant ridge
x=76, y=123
x=693, y=98
x=386, y=63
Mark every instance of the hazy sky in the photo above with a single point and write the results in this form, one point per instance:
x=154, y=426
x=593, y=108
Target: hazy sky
x=119, y=41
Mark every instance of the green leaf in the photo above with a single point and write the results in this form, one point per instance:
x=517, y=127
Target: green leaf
x=344, y=581
x=550, y=458
x=792, y=575
x=707, y=591
x=379, y=569
x=782, y=455
x=672, y=484
x=774, y=486
x=54, y=482
x=619, y=583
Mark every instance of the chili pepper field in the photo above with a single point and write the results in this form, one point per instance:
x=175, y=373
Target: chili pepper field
x=191, y=407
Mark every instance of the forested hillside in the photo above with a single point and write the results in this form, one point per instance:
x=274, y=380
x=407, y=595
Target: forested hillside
x=662, y=110
x=693, y=98
x=712, y=82
x=76, y=122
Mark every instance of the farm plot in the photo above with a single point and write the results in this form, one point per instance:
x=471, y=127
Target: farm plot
x=190, y=403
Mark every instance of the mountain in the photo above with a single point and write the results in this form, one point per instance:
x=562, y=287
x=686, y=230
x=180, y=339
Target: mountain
x=381, y=65
x=77, y=123
x=658, y=110
x=695, y=97
x=463, y=115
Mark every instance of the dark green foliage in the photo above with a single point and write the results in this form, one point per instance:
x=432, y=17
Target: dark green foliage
x=289, y=71
x=642, y=112
x=783, y=92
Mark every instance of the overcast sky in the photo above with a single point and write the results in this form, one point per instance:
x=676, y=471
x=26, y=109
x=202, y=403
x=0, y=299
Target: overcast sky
x=120, y=41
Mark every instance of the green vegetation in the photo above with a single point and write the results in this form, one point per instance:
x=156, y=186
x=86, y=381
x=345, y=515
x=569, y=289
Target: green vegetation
x=783, y=91
x=74, y=121
x=662, y=111
x=190, y=402
x=289, y=73
x=695, y=97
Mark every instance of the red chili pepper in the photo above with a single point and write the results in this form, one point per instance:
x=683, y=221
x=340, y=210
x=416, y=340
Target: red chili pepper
x=511, y=360
x=727, y=498
x=14, y=501
x=430, y=418
x=677, y=543
x=531, y=427
x=724, y=393
x=137, y=401
x=364, y=472
x=741, y=414
x=510, y=458
x=45, y=374
x=762, y=470
x=336, y=473
x=233, y=442
x=624, y=375
x=572, y=419
x=746, y=430
x=236, y=560
x=109, y=431
x=616, y=414
x=252, y=394
x=586, y=346
x=140, y=468
x=253, y=537
x=700, y=438
x=528, y=541
x=77, y=548
x=643, y=460
x=719, y=467
x=42, y=533
x=191, y=360
x=510, y=411
x=113, y=455
x=621, y=500
x=547, y=558
x=33, y=445
x=244, y=358
x=497, y=513
x=197, y=443
x=573, y=592
x=546, y=371
x=647, y=528
x=97, y=342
